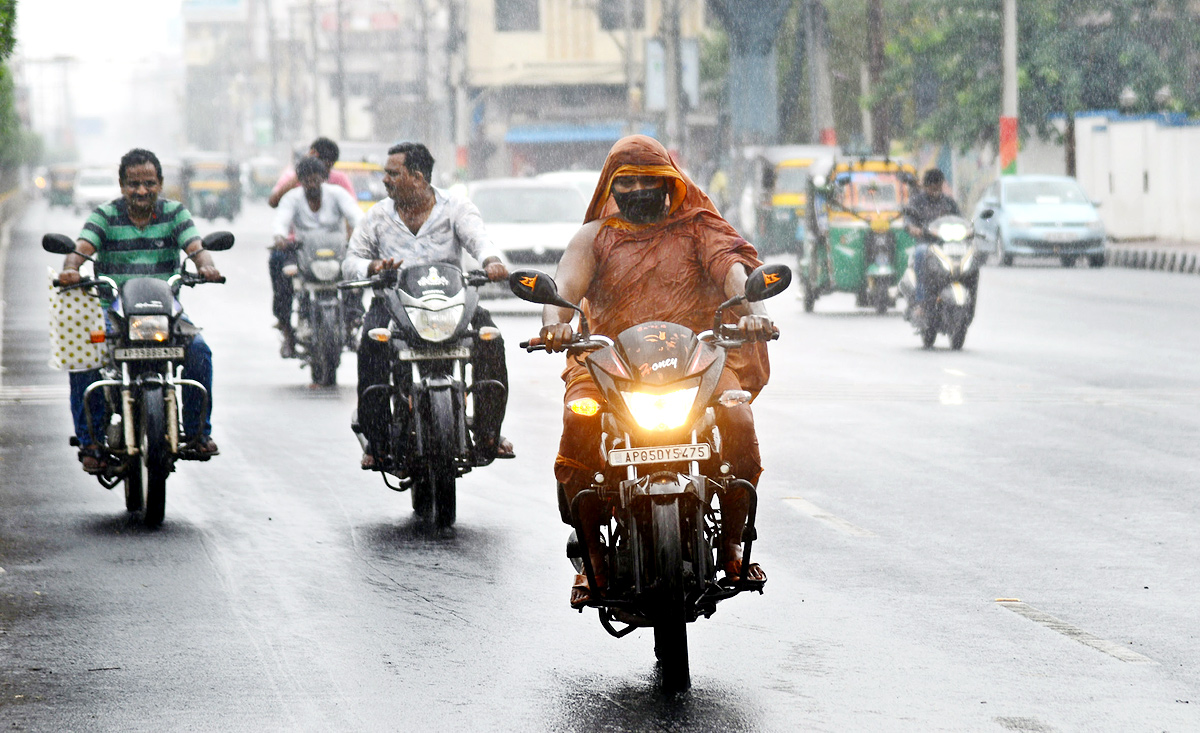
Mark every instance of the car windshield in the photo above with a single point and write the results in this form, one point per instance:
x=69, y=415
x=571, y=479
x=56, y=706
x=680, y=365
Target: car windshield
x=98, y=180
x=530, y=205
x=1045, y=192
x=791, y=179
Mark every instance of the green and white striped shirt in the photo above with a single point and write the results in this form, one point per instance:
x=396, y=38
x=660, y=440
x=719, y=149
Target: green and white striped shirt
x=124, y=251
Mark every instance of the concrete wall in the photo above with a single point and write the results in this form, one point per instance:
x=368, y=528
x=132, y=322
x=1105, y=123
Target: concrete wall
x=1144, y=171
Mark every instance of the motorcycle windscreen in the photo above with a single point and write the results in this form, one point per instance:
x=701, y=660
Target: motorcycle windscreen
x=146, y=296
x=440, y=277
x=659, y=352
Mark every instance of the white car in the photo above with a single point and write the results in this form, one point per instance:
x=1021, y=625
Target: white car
x=585, y=181
x=95, y=186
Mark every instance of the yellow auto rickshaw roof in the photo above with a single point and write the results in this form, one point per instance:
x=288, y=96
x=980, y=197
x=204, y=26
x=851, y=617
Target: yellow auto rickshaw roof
x=876, y=165
x=795, y=163
x=356, y=165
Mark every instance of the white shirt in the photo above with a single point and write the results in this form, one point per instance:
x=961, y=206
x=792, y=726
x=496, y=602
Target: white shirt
x=453, y=225
x=337, y=205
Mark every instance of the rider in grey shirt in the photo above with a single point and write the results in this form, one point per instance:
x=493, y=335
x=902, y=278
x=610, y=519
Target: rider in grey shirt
x=421, y=225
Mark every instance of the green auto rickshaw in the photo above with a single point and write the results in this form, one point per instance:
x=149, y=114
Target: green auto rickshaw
x=855, y=241
x=779, y=177
x=60, y=189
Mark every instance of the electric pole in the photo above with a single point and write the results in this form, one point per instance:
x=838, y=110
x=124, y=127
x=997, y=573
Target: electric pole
x=880, y=134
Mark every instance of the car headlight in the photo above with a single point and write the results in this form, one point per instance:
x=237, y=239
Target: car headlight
x=661, y=411
x=326, y=270
x=1021, y=223
x=436, y=325
x=149, y=328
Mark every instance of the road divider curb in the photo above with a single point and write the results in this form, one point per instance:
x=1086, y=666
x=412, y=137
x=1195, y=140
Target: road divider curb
x=1175, y=259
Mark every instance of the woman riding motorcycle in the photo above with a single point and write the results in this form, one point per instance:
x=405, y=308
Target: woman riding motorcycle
x=653, y=247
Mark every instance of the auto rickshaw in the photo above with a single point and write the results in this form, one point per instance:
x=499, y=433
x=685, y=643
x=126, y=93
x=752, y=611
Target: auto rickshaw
x=855, y=240
x=212, y=186
x=263, y=173
x=60, y=191
x=367, y=179
x=778, y=189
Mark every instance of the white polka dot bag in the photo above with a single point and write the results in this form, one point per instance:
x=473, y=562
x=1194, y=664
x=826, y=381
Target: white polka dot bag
x=74, y=316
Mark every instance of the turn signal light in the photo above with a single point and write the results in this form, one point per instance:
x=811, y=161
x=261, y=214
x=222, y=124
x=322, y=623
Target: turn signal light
x=586, y=406
x=96, y=337
x=381, y=335
x=487, y=333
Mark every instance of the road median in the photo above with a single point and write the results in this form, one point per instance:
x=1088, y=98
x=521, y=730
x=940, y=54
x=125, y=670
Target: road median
x=1182, y=257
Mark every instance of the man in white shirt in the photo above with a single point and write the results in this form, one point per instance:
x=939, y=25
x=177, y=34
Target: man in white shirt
x=316, y=206
x=419, y=224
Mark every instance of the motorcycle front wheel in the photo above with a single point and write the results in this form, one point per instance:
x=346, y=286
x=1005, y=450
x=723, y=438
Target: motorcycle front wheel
x=155, y=456
x=326, y=354
x=670, y=621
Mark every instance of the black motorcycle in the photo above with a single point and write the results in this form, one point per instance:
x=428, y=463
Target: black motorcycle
x=321, y=308
x=146, y=340
x=952, y=276
x=663, y=469
x=432, y=397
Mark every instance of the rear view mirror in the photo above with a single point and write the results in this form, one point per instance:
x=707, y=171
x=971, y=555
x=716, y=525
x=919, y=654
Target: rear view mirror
x=218, y=241
x=59, y=244
x=986, y=214
x=768, y=281
x=536, y=287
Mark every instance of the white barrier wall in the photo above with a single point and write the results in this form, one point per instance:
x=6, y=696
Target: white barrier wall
x=1145, y=172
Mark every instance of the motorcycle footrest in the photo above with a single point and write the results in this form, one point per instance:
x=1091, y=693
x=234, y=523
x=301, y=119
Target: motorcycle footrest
x=191, y=454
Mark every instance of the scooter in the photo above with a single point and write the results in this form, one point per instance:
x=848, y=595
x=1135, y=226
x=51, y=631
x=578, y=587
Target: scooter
x=663, y=469
x=952, y=272
x=146, y=340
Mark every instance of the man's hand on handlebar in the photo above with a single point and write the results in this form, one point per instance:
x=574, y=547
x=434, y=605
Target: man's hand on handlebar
x=495, y=269
x=557, y=336
x=69, y=277
x=377, y=266
x=209, y=273
x=756, y=328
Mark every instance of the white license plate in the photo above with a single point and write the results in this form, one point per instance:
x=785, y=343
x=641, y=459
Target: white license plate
x=659, y=454
x=148, y=352
x=455, y=352
x=954, y=249
x=1061, y=236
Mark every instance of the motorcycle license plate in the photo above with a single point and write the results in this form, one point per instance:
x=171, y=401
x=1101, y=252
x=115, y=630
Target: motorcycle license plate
x=453, y=352
x=148, y=352
x=659, y=454
x=954, y=249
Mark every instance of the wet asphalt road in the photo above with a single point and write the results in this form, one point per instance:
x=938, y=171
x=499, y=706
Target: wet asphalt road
x=1053, y=461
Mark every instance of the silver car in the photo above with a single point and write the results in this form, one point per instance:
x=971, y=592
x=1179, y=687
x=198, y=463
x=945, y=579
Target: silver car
x=1040, y=216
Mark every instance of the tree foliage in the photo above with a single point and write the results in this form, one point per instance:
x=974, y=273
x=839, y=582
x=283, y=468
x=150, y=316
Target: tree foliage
x=944, y=62
x=17, y=145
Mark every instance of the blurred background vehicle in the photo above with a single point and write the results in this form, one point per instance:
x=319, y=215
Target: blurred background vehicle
x=530, y=220
x=60, y=186
x=367, y=179
x=95, y=186
x=773, y=202
x=585, y=181
x=1040, y=216
x=212, y=186
x=262, y=173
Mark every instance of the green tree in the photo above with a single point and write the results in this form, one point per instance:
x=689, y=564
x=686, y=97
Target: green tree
x=944, y=62
x=17, y=145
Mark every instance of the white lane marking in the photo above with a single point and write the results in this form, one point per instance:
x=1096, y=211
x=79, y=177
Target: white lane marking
x=812, y=510
x=951, y=394
x=39, y=395
x=1110, y=648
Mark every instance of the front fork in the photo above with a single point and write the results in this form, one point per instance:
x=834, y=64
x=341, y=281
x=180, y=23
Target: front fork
x=126, y=386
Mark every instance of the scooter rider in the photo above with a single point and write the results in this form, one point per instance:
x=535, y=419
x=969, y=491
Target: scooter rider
x=930, y=203
x=653, y=247
x=140, y=235
x=419, y=224
x=316, y=206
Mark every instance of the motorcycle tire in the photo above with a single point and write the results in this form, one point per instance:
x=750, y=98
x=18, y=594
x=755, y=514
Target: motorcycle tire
x=155, y=454
x=442, y=444
x=809, y=294
x=928, y=336
x=326, y=354
x=958, y=336
x=441, y=479
x=879, y=297
x=135, y=485
x=670, y=622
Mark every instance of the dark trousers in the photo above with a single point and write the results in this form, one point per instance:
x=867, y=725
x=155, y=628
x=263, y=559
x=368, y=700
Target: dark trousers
x=374, y=363
x=282, y=290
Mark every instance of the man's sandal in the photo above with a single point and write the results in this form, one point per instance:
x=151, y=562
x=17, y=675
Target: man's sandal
x=92, y=459
x=733, y=573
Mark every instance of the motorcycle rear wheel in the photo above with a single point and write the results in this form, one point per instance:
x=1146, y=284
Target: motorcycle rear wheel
x=670, y=624
x=928, y=336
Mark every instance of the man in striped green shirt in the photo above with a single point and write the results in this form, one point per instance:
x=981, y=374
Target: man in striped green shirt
x=139, y=235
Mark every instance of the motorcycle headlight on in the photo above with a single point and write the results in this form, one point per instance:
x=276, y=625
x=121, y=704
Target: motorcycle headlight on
x=326, y=270
x=661, y=411
x=435, y=325
x=149, y=328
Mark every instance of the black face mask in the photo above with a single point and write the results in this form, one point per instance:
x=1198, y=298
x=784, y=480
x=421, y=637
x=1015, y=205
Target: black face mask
x=643, y=206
